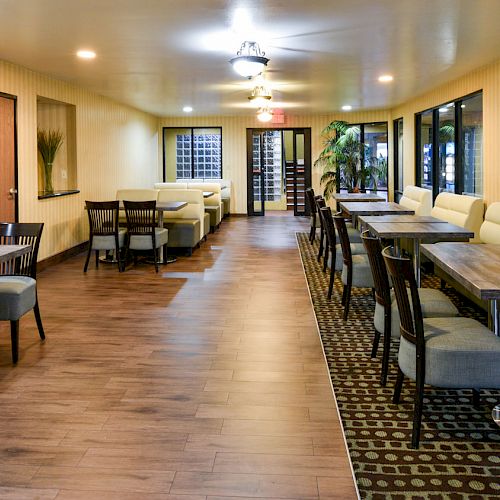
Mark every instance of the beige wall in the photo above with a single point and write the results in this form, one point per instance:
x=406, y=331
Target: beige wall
x=234, y=141
x=486, y=78
x=117, y=147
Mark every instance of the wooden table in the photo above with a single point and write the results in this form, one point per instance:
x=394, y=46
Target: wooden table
x=476, y=267
x=356, y=197
x=418, y=231
x=356, y=209
x=9, y=252
x=207, y=194
x=164, y=206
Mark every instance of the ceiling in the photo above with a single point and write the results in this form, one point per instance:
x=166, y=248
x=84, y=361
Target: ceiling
x=160, y=55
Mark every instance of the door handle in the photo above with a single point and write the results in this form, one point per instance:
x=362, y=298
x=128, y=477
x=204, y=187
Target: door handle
x=12, y=191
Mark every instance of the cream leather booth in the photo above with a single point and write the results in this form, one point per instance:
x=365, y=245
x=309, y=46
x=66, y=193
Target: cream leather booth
x=417, y=199
x=490, y=228
x=461, y=210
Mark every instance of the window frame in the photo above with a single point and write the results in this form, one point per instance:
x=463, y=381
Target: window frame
x=459, y=180
x=192, y=129
x=395, y=151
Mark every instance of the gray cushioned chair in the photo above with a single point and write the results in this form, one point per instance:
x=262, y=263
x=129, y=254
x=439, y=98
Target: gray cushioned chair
x=18, y=291
x=453, y=353
x=104, y=231
x=311, y=205
x=434, y=303
x=356, y=269
x=142, y=231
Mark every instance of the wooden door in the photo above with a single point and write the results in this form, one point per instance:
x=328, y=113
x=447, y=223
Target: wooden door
x=8, y=185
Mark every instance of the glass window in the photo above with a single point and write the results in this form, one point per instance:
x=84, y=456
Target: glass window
x=398, y=157
x=192, y=153
x=375, y=138
x=426, y=149
x=446, y=163
x=472, y=141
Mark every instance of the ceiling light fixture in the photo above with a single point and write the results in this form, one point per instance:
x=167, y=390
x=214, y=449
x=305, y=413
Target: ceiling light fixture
x=260, y=96
x=187, y=109
x=347, y=107
x=385, y=78
x=86, y=54
x=249, y=60
x=265, y=114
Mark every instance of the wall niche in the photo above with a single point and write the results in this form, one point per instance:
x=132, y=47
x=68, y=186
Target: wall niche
x=61, y=116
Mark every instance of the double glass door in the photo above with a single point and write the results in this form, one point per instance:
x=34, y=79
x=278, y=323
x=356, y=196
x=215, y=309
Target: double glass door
x=279, y=170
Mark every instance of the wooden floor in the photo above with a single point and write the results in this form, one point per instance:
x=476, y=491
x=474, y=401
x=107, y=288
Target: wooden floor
x=206, y=381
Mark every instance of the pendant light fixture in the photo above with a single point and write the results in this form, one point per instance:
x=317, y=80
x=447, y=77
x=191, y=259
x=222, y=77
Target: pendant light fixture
x=265, y=114
x=260, y=96
x=249, y=60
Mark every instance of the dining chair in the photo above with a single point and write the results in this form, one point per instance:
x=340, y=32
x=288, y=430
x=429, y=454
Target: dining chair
x=356, y=269
x=434, y=303
x=320, y=203
x=104, y=231
x=452, y=353
x=333, y=248
x=314, y=215
x=142, y=231
x=18, y=288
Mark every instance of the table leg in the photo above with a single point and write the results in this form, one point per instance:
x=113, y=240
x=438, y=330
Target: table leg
x=169, y=258
x=397, y=247
x=416, y=260
x=494, y=319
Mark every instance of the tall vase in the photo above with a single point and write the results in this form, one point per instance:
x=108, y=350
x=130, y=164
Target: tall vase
x=48, y=178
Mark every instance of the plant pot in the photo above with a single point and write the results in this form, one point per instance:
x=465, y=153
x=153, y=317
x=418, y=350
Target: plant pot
x=47, y=170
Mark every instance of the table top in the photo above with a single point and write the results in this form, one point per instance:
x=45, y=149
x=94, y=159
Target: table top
x=357, y=197
x=404, y=219
x=8, y=252
x=207, y=194
x=476, y=266
x=166, y=206
x=420, y=230
x=374, y=208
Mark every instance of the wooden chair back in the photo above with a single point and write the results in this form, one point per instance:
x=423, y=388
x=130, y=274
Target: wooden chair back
x=345, y=244
x=21, y=233
x=310, y=200
x=103, y=217
x=141, y=218
x=331, y=237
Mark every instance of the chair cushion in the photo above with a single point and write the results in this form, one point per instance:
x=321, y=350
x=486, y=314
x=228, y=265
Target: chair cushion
x=459, y=353
x=108, y=242
x=139, y=242
x=356, y=249
x=434, y=303
x=361, y=272
x=17, y=296
x=206, y=224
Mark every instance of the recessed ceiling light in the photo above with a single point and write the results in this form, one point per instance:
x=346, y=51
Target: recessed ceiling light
x=86, y=54
x=347, y=107
x=462, y=106
x=443, y=110
x=187, y=109
x=385, y=78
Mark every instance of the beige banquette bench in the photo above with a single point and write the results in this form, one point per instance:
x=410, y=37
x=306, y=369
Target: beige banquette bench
x=213, y=204
x=186, y=227
x=189, y=225
x=417, y=199
x=225, y=192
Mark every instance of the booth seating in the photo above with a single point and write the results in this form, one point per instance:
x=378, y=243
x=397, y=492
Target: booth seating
x=213, y=204
x=189, y=225
x=490, y=228
x=417, y=199
x=225, y=192
x=134, y=195
x=462, y=210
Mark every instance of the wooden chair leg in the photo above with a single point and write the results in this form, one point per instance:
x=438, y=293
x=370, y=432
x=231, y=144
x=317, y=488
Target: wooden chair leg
x=398, y=386
x=311, y=235
x=476, y=398
x=387, y=349
x=417, y=412
x=330, y=285
x=347, y=301
x=96, y=259
x=38, y=319
x=155, y=256
x=14, y=339
x=321, y=244
x=325, y=258
x=85, y=267
x=164, y=254
x=376, y=340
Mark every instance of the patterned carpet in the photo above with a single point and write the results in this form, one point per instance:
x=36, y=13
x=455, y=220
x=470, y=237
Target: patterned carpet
x=459, y=454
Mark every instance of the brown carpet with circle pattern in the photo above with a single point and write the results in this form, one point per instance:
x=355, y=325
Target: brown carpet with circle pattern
x=459, y=454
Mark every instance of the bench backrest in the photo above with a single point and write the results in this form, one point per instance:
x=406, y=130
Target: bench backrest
x=490, y=228
x=137, y=194
x=417, y=199
x=462, y=210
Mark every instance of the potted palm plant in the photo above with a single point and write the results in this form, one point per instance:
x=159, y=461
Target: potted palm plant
x=345, y=160
x=49, y=142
